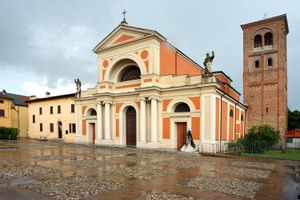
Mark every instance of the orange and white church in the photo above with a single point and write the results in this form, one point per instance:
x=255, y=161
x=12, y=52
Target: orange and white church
x=149, y=94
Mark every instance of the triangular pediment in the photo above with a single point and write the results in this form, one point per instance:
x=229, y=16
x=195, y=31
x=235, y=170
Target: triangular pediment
x=124, y=34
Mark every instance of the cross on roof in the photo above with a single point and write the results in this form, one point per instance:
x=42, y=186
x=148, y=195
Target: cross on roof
x=124, y=13
x=265, y=16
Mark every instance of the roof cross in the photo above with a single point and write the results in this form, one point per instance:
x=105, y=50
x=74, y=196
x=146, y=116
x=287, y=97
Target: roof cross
x=124, y=13
x=265, y=16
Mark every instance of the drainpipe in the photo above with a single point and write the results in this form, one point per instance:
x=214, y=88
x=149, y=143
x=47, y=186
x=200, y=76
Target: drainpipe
x=18, y=118
x=220, y=137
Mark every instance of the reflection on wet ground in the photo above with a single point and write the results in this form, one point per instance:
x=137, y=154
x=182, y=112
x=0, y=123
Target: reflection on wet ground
x=50, y=170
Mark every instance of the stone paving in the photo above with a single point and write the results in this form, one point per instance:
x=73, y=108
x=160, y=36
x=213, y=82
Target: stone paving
x=73, y=187
x=50, y=170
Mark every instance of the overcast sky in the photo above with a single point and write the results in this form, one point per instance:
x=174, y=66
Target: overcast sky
x=45, y=45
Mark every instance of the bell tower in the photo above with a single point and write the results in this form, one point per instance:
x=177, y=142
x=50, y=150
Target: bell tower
x=265, y=72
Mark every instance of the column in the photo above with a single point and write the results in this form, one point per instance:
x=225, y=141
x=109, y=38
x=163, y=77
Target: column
x=107, y=122
x=143, y=119
x=154, y=120
x=78, y=119
x=99, y=121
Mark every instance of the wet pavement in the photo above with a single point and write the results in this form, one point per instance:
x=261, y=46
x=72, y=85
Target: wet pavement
x=32, y=169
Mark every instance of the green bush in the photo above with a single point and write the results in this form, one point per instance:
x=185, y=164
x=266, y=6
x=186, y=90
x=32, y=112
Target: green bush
x=8, y=133
x=260, y=138
x=235, y=145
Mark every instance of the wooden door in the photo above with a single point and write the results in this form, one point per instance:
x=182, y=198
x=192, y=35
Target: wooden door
x=181, y=134
x=131, y=127
x=59, y=131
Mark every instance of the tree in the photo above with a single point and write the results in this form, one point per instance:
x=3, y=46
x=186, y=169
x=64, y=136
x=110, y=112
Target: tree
x=293, y=119
x=260, y=138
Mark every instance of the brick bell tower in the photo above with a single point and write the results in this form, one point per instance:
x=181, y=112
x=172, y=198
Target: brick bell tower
x=265, y=72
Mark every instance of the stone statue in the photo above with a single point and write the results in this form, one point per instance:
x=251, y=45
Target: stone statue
x=208, y=63
x=190, y=145
x=78, y=87
x=190, y=139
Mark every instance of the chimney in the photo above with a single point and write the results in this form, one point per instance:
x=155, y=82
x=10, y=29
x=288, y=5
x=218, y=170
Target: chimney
x=47, y=94
x=32, y=97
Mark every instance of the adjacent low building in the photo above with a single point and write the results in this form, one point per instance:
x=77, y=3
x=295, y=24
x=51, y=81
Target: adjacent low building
x=14, y=112
x=52, y=118
x=293, y=138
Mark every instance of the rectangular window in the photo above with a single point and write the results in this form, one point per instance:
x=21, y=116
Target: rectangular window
x=72, y=128
x=41, y=127
x=33, y=118
x=256, y=64
x=270, y=63
x=41, y=110
x=72, y=108
x=289, y=140
x=231, y=113
x=58, y=109
x=2, y=113
x=51, y=109
x=51, y=127
x=1, y=101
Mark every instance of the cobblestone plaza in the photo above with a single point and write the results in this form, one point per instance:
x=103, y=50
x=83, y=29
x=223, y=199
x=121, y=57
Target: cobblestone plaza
x=49, y=170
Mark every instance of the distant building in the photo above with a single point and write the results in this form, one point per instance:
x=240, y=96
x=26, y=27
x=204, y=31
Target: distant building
x=293, y=138
x=52, y=117
x=14, y=112
x=265, y=72
x=149, y=94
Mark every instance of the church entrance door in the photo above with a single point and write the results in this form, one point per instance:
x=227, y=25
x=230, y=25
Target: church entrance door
x=181, y=134
x=131, y=127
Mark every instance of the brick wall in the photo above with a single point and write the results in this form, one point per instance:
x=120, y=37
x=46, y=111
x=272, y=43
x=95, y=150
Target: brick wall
x=265, y=87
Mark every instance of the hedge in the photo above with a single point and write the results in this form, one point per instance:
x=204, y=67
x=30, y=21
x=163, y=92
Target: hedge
x=8, y=133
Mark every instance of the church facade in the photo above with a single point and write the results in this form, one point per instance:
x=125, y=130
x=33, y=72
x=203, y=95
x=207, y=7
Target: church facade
x=149, y=94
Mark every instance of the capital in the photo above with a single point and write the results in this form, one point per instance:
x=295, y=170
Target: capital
x=142, y=99
x=153, y=98
x=99, y=103
x=107, y=102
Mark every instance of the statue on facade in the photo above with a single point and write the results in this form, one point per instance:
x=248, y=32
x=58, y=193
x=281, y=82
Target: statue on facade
x=208, y=63
x=78, y=87
x=190, y=145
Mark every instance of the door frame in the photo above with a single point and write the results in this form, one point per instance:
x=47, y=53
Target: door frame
x=183, y=136
x=135, y=126
x=122, y=122
x=173, y=124
x=60, y=131
x=89, y=131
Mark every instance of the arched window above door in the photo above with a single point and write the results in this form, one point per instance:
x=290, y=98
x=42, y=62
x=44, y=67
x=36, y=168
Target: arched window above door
x=131, y=111
x=93, y=112
x=182, y=107
x=130, y=73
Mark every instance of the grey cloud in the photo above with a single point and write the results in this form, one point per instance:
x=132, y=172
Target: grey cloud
x=55, y=38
